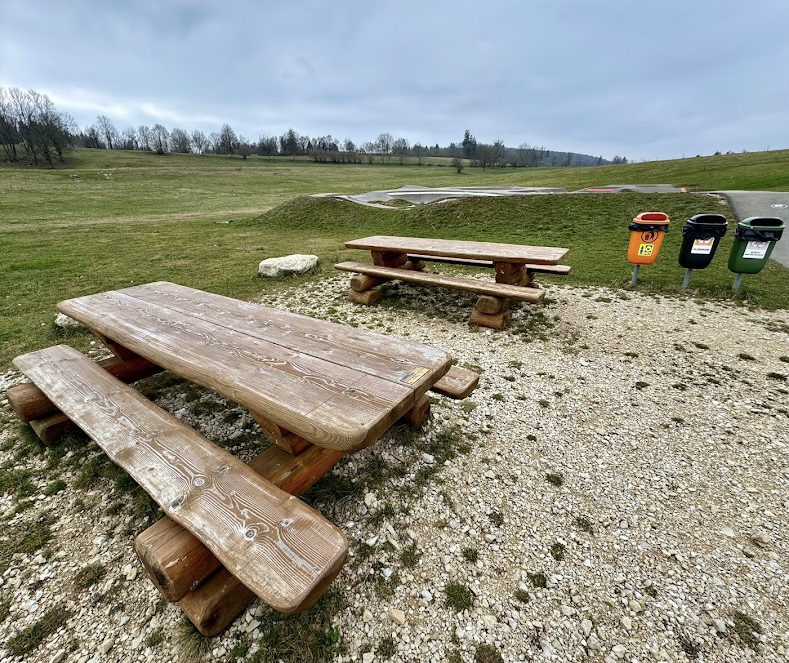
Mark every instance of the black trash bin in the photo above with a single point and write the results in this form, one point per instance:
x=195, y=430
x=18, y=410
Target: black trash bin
x=701, y=235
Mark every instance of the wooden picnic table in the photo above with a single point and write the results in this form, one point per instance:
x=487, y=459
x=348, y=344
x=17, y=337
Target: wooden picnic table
x=318, y=389
x=404, y=258
x=331, y=385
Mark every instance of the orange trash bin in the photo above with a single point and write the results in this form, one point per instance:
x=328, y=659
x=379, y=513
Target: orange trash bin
x=646, y=237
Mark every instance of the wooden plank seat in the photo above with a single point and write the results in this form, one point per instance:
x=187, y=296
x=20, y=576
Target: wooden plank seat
x=177, y=561
x=558, y=270
x=280, y=548
x=458, y=383
x=456, y=282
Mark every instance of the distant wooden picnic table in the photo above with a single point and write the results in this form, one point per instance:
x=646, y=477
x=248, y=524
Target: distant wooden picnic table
x=404, y=258
x=317, y=389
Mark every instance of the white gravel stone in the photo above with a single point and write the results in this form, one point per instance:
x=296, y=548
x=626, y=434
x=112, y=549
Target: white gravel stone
x=397, y=616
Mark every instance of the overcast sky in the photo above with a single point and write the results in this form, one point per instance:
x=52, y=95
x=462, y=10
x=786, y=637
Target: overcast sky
x=645, y=80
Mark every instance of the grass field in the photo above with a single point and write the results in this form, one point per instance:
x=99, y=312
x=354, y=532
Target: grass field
x=113, y=219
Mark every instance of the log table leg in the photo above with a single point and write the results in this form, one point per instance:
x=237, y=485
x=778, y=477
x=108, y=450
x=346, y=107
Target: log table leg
x=509, y=273
x=289, y=442
x=494, y=321
x=389, y=259
x=121, y=352
x=418, y=414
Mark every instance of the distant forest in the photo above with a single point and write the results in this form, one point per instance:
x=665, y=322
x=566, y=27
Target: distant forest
x=31, y=127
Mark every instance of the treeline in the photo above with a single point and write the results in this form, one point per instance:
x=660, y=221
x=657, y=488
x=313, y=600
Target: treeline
x=31, y=120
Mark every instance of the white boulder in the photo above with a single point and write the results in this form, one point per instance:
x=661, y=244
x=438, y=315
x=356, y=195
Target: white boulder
x=62, y=320
x=295, y=264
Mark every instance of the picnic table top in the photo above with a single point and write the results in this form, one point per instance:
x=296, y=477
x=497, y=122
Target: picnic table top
x=335, y=386
x=513, y=253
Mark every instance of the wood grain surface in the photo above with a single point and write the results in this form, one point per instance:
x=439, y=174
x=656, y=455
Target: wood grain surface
x=29, y=402
x=177, y=562
x=460, y=249
x=458, y=383
x=455, y=282
x=336, y=387
x=559, y=270
x=279, y=547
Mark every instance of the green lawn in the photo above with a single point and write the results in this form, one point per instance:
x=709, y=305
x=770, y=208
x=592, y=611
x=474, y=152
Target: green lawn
x=113, y=219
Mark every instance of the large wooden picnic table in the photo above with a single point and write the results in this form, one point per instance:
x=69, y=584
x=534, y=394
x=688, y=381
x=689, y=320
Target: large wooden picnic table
x=330, y=385
x=404, y=258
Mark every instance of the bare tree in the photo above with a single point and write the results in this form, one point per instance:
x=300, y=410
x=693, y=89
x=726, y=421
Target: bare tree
x=457, y=163
x=228, y=141
x=267, y=145
x=128, y=139
x=383, y=145
x=144, y=137
x=199, y=141
x=213, y=142
x=418, y=151
x=244, y=148
x=497, y=152
x=107, y=130
x=160, y=139
x=180, y=140
x=400, y=148
x=484, y=155
x=9, y=136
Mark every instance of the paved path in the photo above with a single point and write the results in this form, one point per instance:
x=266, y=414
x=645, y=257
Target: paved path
x=763, y=203
x=638, y=188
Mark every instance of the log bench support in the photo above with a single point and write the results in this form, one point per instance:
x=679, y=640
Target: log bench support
x=364, y=288
x=491, y=312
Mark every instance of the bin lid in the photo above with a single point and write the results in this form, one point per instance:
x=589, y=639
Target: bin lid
x=707, y=220
x=762, y=223
x=652, y=218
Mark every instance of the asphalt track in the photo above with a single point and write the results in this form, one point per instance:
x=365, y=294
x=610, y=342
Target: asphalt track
x=745, y=204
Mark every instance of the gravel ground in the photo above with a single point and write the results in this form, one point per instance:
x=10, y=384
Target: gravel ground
x=615, y=490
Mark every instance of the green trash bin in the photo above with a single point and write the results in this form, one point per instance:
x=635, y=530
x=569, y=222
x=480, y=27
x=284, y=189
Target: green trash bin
x=754, y=239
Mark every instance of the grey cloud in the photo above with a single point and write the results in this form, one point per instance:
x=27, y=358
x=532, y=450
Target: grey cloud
x=648, y=80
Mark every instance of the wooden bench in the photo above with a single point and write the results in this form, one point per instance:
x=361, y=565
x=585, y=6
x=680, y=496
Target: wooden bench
x=404, y=258
x=280, y=548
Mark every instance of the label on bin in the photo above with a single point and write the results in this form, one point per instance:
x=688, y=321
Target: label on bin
x=756, y=250
x=703, y=246
x=645, y=249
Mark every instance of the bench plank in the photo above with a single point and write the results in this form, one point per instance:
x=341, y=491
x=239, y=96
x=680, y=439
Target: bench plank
x=455, y=282
x=457, y=383
x=327, y=404
x=460, y=249
x=29, y=403
x=559, y=270
x=177, y=562
x=279, y=547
